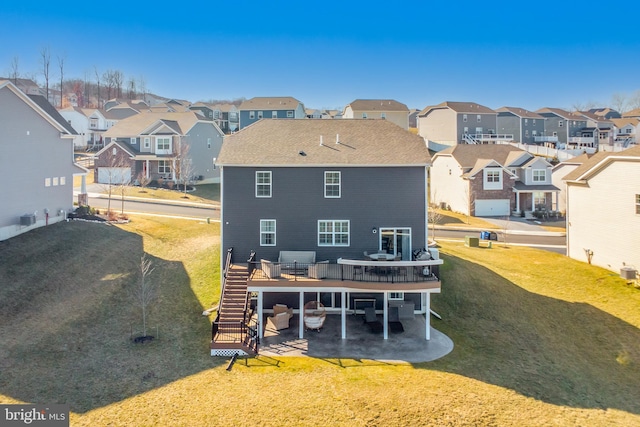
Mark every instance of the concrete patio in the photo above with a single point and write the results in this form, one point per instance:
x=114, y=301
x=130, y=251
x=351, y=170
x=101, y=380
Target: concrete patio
x=409, y=346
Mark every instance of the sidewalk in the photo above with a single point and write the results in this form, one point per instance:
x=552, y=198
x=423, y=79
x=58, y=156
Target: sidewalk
x=515, y=225
x=94, y=192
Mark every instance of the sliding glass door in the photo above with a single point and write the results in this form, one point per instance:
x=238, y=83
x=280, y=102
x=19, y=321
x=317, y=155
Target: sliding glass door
x=396, y=241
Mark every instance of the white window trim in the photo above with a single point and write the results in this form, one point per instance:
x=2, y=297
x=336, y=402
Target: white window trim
x=274, y=114
x=396, y=296
x=269, y=184
x=260, y=115
x=333, y=233
x=147, y=142
x=535, y=175
x=262, y=232
x=327, y=185
x=464, y=118
x=383, y=115
x=163, y=151
x=290, y=114
x=364, y=115
x=166, y=166
x=252, y=115
x=133, y=141
x=492, y=185
x=478, y=118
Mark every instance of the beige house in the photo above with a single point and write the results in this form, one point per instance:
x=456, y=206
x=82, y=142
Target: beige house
x=603, y=210
x=386, y=109
x=558, y=173
x=451, y=123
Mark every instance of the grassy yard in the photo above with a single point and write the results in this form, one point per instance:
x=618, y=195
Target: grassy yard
x=539, y=340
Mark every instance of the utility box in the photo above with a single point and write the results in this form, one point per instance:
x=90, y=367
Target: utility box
x=28, y=219
x=628, y=273
x=471, y=242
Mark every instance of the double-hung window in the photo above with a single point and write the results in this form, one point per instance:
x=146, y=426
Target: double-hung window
x=290, y=114
x=260, y=114
x=333, y=233
x=252, y=115
x=164, y=167
x=539, y=175
x=493, y=179
x=263, y=183
x=267, y=232
x=331, y=184
x=163, y=145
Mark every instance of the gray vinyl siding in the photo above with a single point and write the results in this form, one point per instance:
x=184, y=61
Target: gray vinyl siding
x=487, y=123
x=552, y=124
x=245, y=119
x=28, y=159
x=200, y=154
x=370, y=198
x=510, y=124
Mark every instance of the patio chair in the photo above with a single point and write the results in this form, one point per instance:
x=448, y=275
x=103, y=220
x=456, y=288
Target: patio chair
x=314, y=315
x=371, y=320
x=394, y=320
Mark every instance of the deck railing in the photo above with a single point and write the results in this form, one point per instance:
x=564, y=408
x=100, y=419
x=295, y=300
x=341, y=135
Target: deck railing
x=348, y=269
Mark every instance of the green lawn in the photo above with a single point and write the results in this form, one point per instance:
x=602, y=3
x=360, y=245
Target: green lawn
x=539, y=340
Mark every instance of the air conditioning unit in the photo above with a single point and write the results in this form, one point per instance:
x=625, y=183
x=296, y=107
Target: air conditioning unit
x=628, y=273
x=27, y=219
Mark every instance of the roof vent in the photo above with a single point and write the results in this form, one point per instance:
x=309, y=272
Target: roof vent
x=302, y=153
x=321, y=144
x=337, y=138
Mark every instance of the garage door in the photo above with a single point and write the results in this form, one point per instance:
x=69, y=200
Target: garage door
x=114, y=175
x=494, y=207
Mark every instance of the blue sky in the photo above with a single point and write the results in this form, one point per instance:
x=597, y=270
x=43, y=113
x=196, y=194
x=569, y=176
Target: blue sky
x=326, y=54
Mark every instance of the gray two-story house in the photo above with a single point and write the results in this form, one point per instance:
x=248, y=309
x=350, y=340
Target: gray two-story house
x=525, y=126
x=562, y=127
x=311, y=201
x=34, y=132
x=148, y=145
x=278, y=107
x=450, y=123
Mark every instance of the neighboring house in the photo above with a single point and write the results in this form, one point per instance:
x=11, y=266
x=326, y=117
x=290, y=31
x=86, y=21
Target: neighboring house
x=626, y=131
x=526, y=126
x=35, y=133
x=283, y=107
x=450, y=123
x=491, y=180
x=78, y=119
x=559, y=171
x=312, y=113
x=225, y=115
x=387, y=109
x=413, y=118
x=603, y=210
x=598, y=128
x=149, y=143
x=27, y=86
x=606, y=113
x=564, y=129
x=632, y=113
x=335, y=189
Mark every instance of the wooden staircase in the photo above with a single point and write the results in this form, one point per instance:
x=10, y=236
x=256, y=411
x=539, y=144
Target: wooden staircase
x=232, y=332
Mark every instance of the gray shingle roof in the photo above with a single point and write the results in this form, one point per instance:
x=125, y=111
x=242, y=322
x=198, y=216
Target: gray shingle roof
x=51, y=111
x=270, y=103
x=467, y=155
x=460, y=107
x=597, y=158
x=378, y=105
x=297, y=143
x=520, y=112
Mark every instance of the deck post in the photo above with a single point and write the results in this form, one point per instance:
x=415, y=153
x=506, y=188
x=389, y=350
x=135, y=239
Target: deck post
x=301, y=322
x=343, y=314
x=428, y=317
x=260, y=309
x=385, y=316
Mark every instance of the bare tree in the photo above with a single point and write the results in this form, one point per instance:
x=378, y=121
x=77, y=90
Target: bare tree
x=619, y=102
x=14, y=73
x=61, y=67
x=45, y=59
x=131, y=88
x=183, y=165
x=113, y=161
x=98, y=83
x=505, y=229
x=469, y=197
x=143, y=180
x=118, y=81
x=433, y=216
x=634, y=100
x=142, y=85
x=146, y=292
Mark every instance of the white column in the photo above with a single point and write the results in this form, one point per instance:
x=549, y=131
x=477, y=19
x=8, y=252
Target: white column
x=83, y=184
x=147, y=169
x=260, y=313
x=301, y=326
x=385, y=317
x=343, y=306
x=517, y=201
x=427, y=319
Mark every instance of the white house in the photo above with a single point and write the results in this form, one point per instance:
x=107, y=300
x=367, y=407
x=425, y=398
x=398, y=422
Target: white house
x=603, y=210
